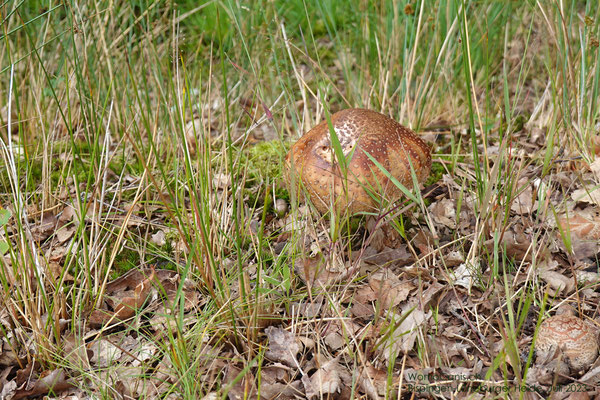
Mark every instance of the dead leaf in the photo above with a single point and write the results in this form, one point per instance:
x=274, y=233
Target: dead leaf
x=583, y=228
x=104, y=353
x=239, y=389
x=374, y=382
x=283, y=346
x=75, y=352
x=124, y=297
x=424, y=241
x=3, y=375
x=44, y=227
x=158, y=238
x=590, y=195
x=57, y=271
x=431, y=294
x=399, y=256
x=401, y=331
x=51, y=382
x=361, y=310
x=587, y=277
x=466, y=274
x=334, y=340
x=523, y=204
x=8, y=357
x=315, y=271
x=326, y=380
x=585, y=233
x=221, y=181
x=557, y=281
x=444, y=212
x=390, y=291
x=453, y=258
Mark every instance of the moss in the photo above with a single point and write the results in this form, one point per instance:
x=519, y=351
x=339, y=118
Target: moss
x=122, y=162
x=125, y=260
x=264, y=160
x=520, y=122
x=437, y=170
x=263, y=163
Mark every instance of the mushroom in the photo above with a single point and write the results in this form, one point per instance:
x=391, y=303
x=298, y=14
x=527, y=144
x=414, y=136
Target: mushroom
x=574, y=337
x=364, y=136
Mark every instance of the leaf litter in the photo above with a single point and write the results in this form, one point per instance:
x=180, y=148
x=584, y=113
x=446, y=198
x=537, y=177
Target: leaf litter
x=384, y=317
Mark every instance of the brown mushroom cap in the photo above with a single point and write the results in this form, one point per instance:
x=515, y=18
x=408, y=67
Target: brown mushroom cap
x=576, y=338
x=360, y=131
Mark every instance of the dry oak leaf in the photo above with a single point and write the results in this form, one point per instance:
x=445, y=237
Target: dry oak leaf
x=239, y=389
x=374, y=382
x=523, y=201
x=398, y=256
x=45, y=227
x=466, y=274
x=275, y=383
x=581, y=227
x=283, y=346
x=54, y=381
x=124, y=297
x=389, y=289
x=315, y=271
x=400, y=334
x=590, y=196
x=325, y=381
x=444, y=212
x=556, y=280
x=584, y=233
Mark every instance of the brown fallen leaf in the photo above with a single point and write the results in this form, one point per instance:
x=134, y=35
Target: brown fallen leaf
x=523, y=203
x=3, y=375
x=124, y=297
x=325, y=381
x=400, y=331
x=283, y=346
x=390, y=291
x=444, y=212
x=315, y=271
x=584, y=232
x=557, y=281
x=275, y=383
x=104, y=353
x=67, y=224
x=237, y=387
x=52, y=382
x=334, y=340
x=8, y=357
x=431, y=294
x=374, y=382
x=424, y=241
x=44, y=227
x=399, y=256
x=589, y=196
x=75, y=352
x=583, y=228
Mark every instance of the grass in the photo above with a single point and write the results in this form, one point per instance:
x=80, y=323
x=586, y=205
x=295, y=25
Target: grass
x=145, y=117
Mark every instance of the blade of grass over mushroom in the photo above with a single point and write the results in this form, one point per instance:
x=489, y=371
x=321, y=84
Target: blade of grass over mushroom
x=407, y=192
x=338, y=151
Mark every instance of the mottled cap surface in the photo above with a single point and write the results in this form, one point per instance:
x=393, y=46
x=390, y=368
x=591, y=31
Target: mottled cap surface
x=360, y=132
x=577, y=339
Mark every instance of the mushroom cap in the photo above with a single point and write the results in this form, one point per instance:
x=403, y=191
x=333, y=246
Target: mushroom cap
x=576, y=338
x=360, y=131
